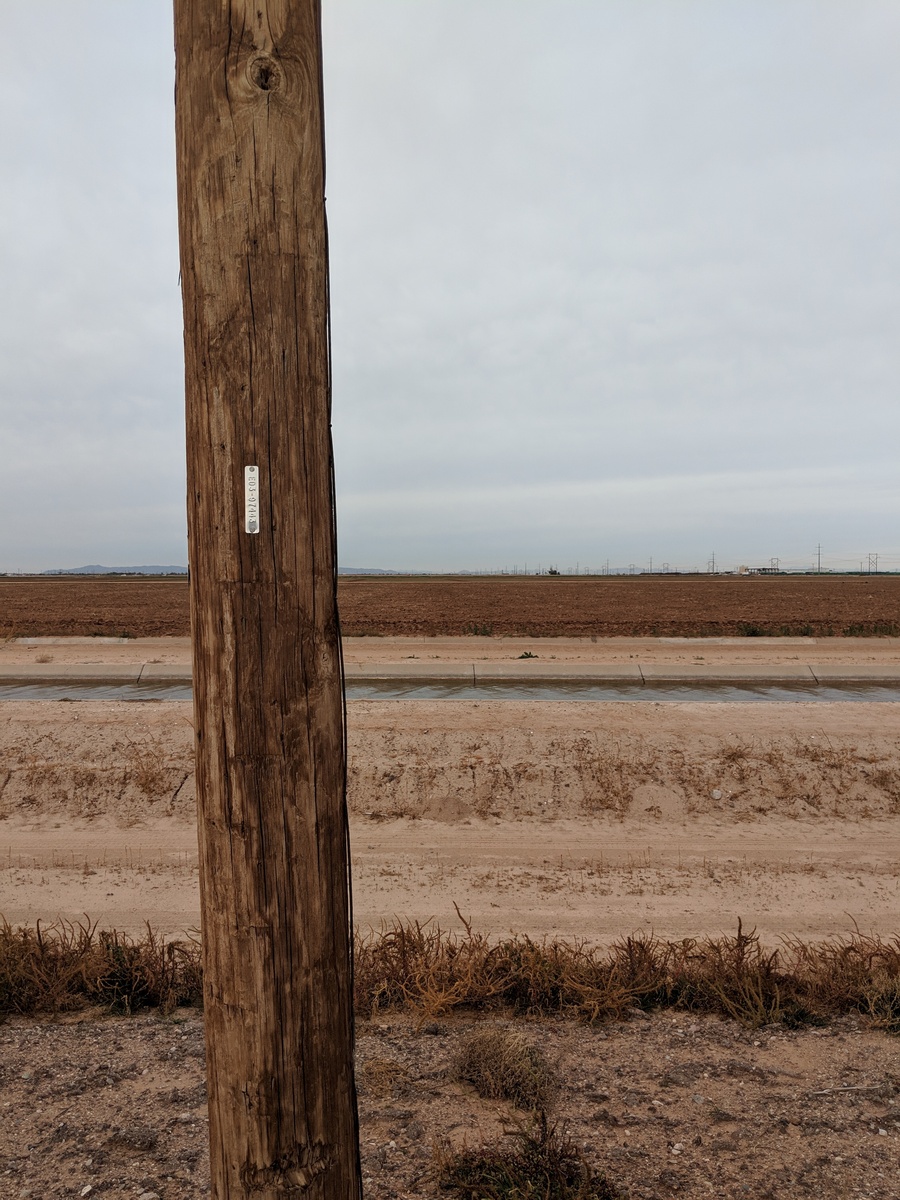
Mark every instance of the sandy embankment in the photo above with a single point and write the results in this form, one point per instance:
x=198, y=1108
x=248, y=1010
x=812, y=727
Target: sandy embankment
x=421, y=651
x=563, y=818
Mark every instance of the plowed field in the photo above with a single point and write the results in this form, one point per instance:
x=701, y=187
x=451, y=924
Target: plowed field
x=612, y=606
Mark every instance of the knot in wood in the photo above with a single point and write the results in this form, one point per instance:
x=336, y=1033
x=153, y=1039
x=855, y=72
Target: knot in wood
x=265, y=73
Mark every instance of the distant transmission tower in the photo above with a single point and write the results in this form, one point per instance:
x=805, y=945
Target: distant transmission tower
x=873, y=564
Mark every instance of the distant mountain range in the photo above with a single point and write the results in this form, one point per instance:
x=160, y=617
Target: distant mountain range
x=366, y=571
x=97, y=569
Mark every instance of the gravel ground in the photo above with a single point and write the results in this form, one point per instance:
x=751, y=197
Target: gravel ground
x=670, y=1105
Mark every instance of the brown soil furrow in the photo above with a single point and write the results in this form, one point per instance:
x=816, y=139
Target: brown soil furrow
x=608, y=606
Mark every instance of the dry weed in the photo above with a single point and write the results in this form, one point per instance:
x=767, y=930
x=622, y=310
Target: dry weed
x=383, y=1076
x=67, y=966
x=887, y=780
x=146, y=766
x=502, y=1064
x=538, y=1164
x=608, y=776
x=421, y=967
x=127, y=975
x=427, y=970
x=799, y=776
x=858, y=973
x=738, y=978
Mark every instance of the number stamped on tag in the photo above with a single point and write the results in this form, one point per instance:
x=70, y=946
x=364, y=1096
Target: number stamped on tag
x=251, y=499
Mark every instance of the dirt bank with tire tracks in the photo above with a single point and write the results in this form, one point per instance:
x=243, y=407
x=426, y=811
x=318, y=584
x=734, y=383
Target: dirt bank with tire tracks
x=576, y=819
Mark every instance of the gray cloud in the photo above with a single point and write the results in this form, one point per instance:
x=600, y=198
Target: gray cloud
x=608, y=280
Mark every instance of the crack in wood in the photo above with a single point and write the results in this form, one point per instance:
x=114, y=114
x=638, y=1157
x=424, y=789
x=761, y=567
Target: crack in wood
x=292, y=1173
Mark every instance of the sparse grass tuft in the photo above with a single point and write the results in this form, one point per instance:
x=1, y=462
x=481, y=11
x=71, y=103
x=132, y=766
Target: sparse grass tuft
x=528, y=1165
x=147, y=767
x=502, y=1064
x=383, y=1076
x=609, y=776
x=810, y=629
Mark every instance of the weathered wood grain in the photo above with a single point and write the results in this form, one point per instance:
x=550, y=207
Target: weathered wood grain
x=268, y=694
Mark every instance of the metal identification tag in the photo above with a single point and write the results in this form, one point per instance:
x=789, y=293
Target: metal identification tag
x=251, y=499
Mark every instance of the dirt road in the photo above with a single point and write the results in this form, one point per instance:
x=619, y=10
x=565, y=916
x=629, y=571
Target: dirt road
x=578, y=819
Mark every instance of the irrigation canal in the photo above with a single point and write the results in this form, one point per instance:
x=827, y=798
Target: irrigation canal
x=544, y=691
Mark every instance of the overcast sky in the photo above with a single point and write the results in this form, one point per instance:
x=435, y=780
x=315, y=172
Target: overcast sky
x=611, y=281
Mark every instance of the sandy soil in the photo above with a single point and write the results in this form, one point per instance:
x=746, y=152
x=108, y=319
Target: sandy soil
x=368, y=651
x=567, y=818
x=640, y=605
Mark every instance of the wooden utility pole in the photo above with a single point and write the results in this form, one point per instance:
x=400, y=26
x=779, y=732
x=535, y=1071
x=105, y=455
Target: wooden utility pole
x=268, y=699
